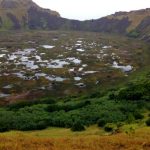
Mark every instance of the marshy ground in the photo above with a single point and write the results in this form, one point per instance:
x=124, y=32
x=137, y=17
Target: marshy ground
x=37, y=64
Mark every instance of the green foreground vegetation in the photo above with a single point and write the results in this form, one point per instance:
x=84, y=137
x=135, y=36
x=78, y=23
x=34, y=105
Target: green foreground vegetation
x=110, y=109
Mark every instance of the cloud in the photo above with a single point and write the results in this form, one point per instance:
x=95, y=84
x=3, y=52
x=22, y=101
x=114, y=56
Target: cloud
x=88, y=9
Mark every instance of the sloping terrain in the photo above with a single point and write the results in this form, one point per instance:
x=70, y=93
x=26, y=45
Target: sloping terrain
x=74, y=90
x=20, y=14
x=17, y=14
x=138, y=140
x=65, y=63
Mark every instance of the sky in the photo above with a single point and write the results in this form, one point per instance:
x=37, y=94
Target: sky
x=91, y=9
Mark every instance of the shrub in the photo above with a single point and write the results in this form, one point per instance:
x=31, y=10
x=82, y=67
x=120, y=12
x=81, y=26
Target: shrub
x=130, y=94
x=101, y=122
x=109, y=127
x=137, y=115
x=133, y=34
x=78, y=126
x=112, y=96
x=130, y=118
x=96, y=95
x=148, y=122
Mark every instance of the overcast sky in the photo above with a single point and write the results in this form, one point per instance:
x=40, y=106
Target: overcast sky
x=91, y=9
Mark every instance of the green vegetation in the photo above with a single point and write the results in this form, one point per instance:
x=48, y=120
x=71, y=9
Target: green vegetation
x=148, y=122
x=78, y=126
x=110, y=127
x=126, y=104
x=134, y=34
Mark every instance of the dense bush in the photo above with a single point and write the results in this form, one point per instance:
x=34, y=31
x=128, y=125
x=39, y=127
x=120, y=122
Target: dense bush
x=101, y=122
x=96, y=95
x=122, y=105
x=78, y=126
x=148, y=122
x=67, y=107
x=133, y=91
x=23, y=104
x=6, y=120
x=138, y=115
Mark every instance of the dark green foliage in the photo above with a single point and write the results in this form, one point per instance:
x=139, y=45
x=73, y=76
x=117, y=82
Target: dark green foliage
x=23, y=104
x=148, y=122
x=6, y=118
x=138, y=115
x=117, y=106
x=133, y=34
x=67, y=107
x=130, y=118
x=101, y=122
x=78, y=126
x=96, y=95
x=110, y=127
x=134, y=91
x=112, y=96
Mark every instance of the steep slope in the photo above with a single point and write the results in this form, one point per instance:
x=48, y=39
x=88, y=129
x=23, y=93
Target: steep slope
x=25, y=14
x=135, y=17
x=17, y=14
x=139, y=22
x=135, y=23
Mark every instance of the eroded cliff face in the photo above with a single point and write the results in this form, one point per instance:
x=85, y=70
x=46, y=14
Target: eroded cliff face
x=16, y=14
x=25, y=14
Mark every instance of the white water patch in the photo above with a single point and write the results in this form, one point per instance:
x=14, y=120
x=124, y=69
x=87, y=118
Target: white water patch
x=42, y=53
x=24, y=52
x=2, y=95
x=74, y=60
x=77, y=61
x=12, y=57
x=80, y=69
x=48, y=46
x=78, y=44
x=107, y=47
x=71, y=70
x=84, y=65
x=24, y=58
x=4, y=51
x=80, y=50
x=8, y=87
x=30, y=65
x=38, y=58
x=60, y=56
x=40, y=75
x=68, y=48
x=55, y=39
x=19, y=75
x=51, y=78
x=79, y=41
x=2, y=55
x=101, y=51
x=90, y=72
x=81, y=85
x=54, y=78
x=77, y=78
x=57, y=63
x=123, y=68
x=30, y=42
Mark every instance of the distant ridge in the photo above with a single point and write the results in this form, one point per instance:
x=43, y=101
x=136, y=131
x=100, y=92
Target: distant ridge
x=25, y=14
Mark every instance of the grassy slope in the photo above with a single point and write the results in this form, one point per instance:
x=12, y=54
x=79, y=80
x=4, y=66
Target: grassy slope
x=139, y=139
x=91, y=139
x=134, y=16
